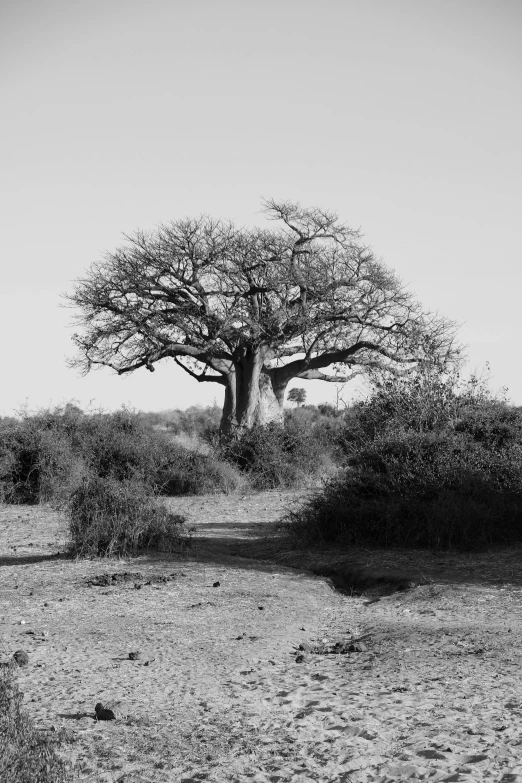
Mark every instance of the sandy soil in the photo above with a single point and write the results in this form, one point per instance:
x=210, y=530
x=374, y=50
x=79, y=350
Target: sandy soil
x=219, y=691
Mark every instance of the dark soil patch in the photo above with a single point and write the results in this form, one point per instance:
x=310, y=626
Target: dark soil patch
x=120, y=577
x=362, y=581
x=332, y=648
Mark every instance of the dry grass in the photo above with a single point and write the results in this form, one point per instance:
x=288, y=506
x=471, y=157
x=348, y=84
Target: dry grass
x=26, y=754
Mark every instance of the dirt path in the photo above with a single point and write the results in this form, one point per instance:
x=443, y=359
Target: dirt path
x=433, y=692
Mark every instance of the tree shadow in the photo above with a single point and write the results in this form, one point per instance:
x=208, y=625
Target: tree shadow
x=250, y=528
x=76, y=715
x=267, y=554
x=498, y=566
x=8, y=560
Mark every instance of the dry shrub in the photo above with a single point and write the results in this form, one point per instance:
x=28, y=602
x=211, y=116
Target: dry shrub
x=44, y=457
x=186, y=472
x=26, y=755
x=39, y=457
x=19, y=455
x=119, y=518
x=274, y=456
x=428, y=466
x=421, y=490
x=194, y=422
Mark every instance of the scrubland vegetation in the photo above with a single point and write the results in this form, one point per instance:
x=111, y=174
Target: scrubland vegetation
x=26, y=754
x=429, y=463
x=423, y=461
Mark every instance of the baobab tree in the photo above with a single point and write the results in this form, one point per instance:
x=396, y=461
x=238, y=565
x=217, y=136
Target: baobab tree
x=251, y=309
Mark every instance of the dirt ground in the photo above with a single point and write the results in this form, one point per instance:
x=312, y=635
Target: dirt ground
x=427, y=687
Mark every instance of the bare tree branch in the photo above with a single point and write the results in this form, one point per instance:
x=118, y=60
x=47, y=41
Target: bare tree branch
x=252, y=304
x=202, y=376
x=317, y=375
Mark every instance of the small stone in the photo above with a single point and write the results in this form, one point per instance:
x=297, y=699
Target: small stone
x=261, y=607
x=134, y=656
x=216, y=584
x=299, y=658
x=21, y=658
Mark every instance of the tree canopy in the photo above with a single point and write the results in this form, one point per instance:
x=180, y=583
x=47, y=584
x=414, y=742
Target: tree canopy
x=297, y=395
x=252, y=308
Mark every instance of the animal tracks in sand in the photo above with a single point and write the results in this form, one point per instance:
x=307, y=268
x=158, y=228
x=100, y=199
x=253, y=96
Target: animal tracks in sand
x=422, y=684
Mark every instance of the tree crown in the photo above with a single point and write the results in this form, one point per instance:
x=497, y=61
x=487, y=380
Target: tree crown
x=307, y=295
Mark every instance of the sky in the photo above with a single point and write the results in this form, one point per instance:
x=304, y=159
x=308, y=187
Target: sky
x=403, y=117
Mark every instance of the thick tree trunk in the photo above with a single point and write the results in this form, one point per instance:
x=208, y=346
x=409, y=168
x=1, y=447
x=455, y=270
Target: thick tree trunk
x=228, y=422
x=251, y=397
x=271, y=400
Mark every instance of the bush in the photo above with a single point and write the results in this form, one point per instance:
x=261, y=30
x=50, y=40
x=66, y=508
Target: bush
x=274, y=456
x=427, y=466
x=120, y=446
x=422, y=402
x=426, y=401
x=494, y=425
x=26, y=755
x=420, y=490
x=19, y=454
x=186, y=472
x=46, y=456
x=325, y=424
x=194, y=422
x=39, y=456
x=119, y=518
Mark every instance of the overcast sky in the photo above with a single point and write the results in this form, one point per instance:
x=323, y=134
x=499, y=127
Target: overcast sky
x=404, y=116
